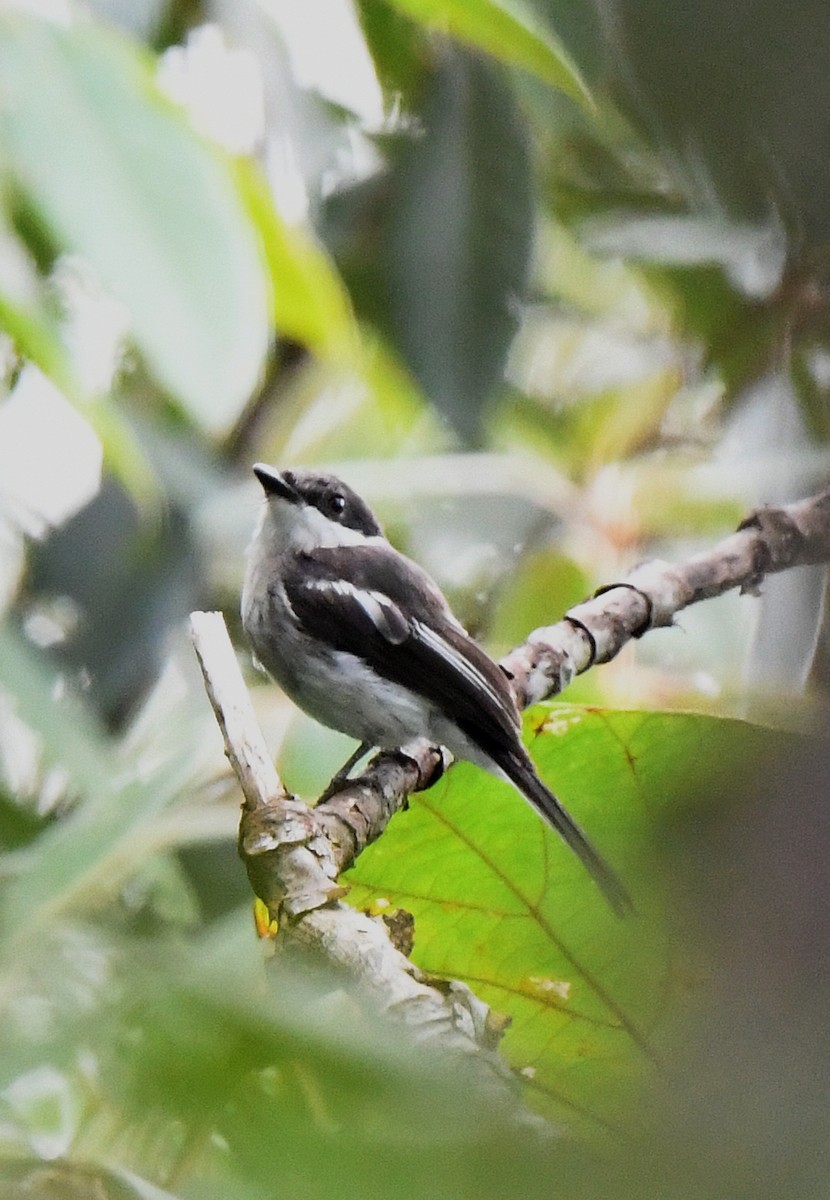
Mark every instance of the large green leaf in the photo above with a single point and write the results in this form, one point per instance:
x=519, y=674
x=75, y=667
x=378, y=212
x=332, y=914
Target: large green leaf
x=116, y=175
x=493, y=27
x=459, y=236
x=501, y=903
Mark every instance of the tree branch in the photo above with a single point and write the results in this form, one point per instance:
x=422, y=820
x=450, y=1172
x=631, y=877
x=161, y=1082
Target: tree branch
x=769, y=540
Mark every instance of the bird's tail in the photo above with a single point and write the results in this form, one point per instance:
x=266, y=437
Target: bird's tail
x=522, y=774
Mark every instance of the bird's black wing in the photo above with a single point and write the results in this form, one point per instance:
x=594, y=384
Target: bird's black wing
x=371, y=602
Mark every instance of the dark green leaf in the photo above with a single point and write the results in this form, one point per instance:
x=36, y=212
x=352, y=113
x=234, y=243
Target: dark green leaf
x=459, y=237
x=396, y=45
x=811, y=379
x=741, y=95
x=19, y=824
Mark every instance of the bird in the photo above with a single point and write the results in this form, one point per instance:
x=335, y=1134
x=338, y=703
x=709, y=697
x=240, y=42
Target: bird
x=362, y=639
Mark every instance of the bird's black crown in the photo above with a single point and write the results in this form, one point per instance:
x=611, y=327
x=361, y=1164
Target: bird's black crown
x=335, y=500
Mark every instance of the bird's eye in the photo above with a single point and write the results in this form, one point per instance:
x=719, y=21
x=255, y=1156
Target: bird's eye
x=337, y=503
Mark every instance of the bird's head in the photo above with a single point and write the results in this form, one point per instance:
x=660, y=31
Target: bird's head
x=311, y=510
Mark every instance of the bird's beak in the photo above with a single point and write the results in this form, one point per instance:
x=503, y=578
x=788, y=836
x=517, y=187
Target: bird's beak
x=275, y=484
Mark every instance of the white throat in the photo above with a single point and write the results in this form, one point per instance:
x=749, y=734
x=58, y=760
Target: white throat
x=303, y=527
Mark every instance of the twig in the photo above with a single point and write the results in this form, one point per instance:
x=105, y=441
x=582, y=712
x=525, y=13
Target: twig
x=276, y=830
x=769, y=540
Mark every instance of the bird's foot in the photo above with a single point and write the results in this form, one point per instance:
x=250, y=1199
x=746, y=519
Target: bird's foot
x=341, y=778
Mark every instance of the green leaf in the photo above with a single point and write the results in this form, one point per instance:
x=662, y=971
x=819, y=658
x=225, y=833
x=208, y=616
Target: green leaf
x=809, y=375
x=459, y=237
x=493, y=27
x=310, y=302
x=502, y=904
x=396, y=46
x=36, y=337
x=25, y=313
x=116, y=175
x=20, y=823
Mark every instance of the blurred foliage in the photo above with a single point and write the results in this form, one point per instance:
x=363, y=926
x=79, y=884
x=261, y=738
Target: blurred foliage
x=549, y=284
x=195, y=292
